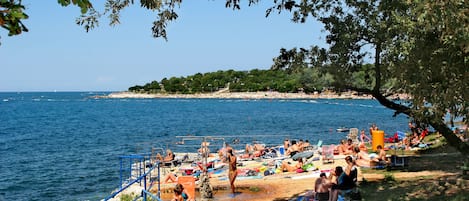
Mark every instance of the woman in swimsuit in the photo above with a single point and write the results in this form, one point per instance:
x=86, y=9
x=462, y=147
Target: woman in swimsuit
x=233, y=172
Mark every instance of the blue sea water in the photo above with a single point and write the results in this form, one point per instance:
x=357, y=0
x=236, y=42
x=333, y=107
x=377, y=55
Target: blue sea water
x=65, y=145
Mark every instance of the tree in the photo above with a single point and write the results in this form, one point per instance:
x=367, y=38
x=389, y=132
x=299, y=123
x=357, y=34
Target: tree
x=420, y=48
x=12, y=14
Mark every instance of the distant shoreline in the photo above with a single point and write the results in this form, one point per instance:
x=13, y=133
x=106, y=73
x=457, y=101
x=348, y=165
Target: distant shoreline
x=241, y=95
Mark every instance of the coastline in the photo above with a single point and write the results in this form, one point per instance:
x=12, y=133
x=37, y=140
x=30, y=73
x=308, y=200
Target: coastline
x=241, y=95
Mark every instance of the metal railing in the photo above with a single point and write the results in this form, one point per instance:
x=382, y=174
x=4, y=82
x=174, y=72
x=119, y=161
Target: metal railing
x=142, y=177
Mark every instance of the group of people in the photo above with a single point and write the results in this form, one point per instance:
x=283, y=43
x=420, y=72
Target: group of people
x=339, y=182
x=255, y=150
x=417, y=136
x=294, y=147
x=227, y=155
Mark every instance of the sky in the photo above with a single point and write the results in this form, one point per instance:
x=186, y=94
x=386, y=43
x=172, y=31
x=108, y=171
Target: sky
x=58, y=55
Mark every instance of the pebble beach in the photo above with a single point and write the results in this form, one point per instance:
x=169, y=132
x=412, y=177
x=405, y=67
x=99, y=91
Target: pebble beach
x=242, y=95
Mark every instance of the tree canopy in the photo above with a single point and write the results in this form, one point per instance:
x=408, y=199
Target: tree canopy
x=417, y=47
x=308, y=81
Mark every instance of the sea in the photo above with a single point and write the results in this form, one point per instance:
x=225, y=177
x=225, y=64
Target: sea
x=66, y=145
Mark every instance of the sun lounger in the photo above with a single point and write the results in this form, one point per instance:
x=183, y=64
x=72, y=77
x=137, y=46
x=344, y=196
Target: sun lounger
x=353, y=135
x=327, y=154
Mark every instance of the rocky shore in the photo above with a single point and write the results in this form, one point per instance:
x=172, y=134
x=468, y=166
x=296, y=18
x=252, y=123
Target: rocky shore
x=242, y=95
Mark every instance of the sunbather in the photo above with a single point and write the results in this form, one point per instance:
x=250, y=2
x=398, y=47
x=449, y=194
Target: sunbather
x=293, y=149
x=167, y=159
x=362, y=158
x=321, y=187
x=305, y=145
x=344, y=148
x=252, y=151
x=290, y=168
x=170, y=177
x=382, y=159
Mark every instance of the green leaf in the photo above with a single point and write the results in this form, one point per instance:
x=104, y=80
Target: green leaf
x=64, y=2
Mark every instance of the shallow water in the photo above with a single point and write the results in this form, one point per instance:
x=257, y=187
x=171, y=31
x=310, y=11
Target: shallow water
x=65, y=146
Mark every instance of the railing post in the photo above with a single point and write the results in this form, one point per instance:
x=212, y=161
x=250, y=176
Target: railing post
x=159, y=179
x=120, y=172
x=145, y=187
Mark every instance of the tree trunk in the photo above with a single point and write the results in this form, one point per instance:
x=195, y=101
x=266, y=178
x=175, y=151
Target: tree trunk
x=452, y=139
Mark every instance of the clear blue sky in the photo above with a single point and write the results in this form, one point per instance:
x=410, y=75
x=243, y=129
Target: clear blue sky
x=56, y=54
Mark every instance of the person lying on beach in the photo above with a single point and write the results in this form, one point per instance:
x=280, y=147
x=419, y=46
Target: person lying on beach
x=362, y=147
x=170, y=177
x=251, y=151
x=286, y=167
x=363, y=159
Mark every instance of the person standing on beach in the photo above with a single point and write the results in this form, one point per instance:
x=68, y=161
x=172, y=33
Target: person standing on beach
x=233, y=172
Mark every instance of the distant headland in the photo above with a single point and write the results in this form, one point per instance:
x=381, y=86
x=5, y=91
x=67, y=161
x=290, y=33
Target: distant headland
x=241, y=95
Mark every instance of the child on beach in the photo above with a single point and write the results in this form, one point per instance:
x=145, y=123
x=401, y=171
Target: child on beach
x=180, y=194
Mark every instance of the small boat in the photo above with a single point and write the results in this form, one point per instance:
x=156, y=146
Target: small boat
x=342, y=129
